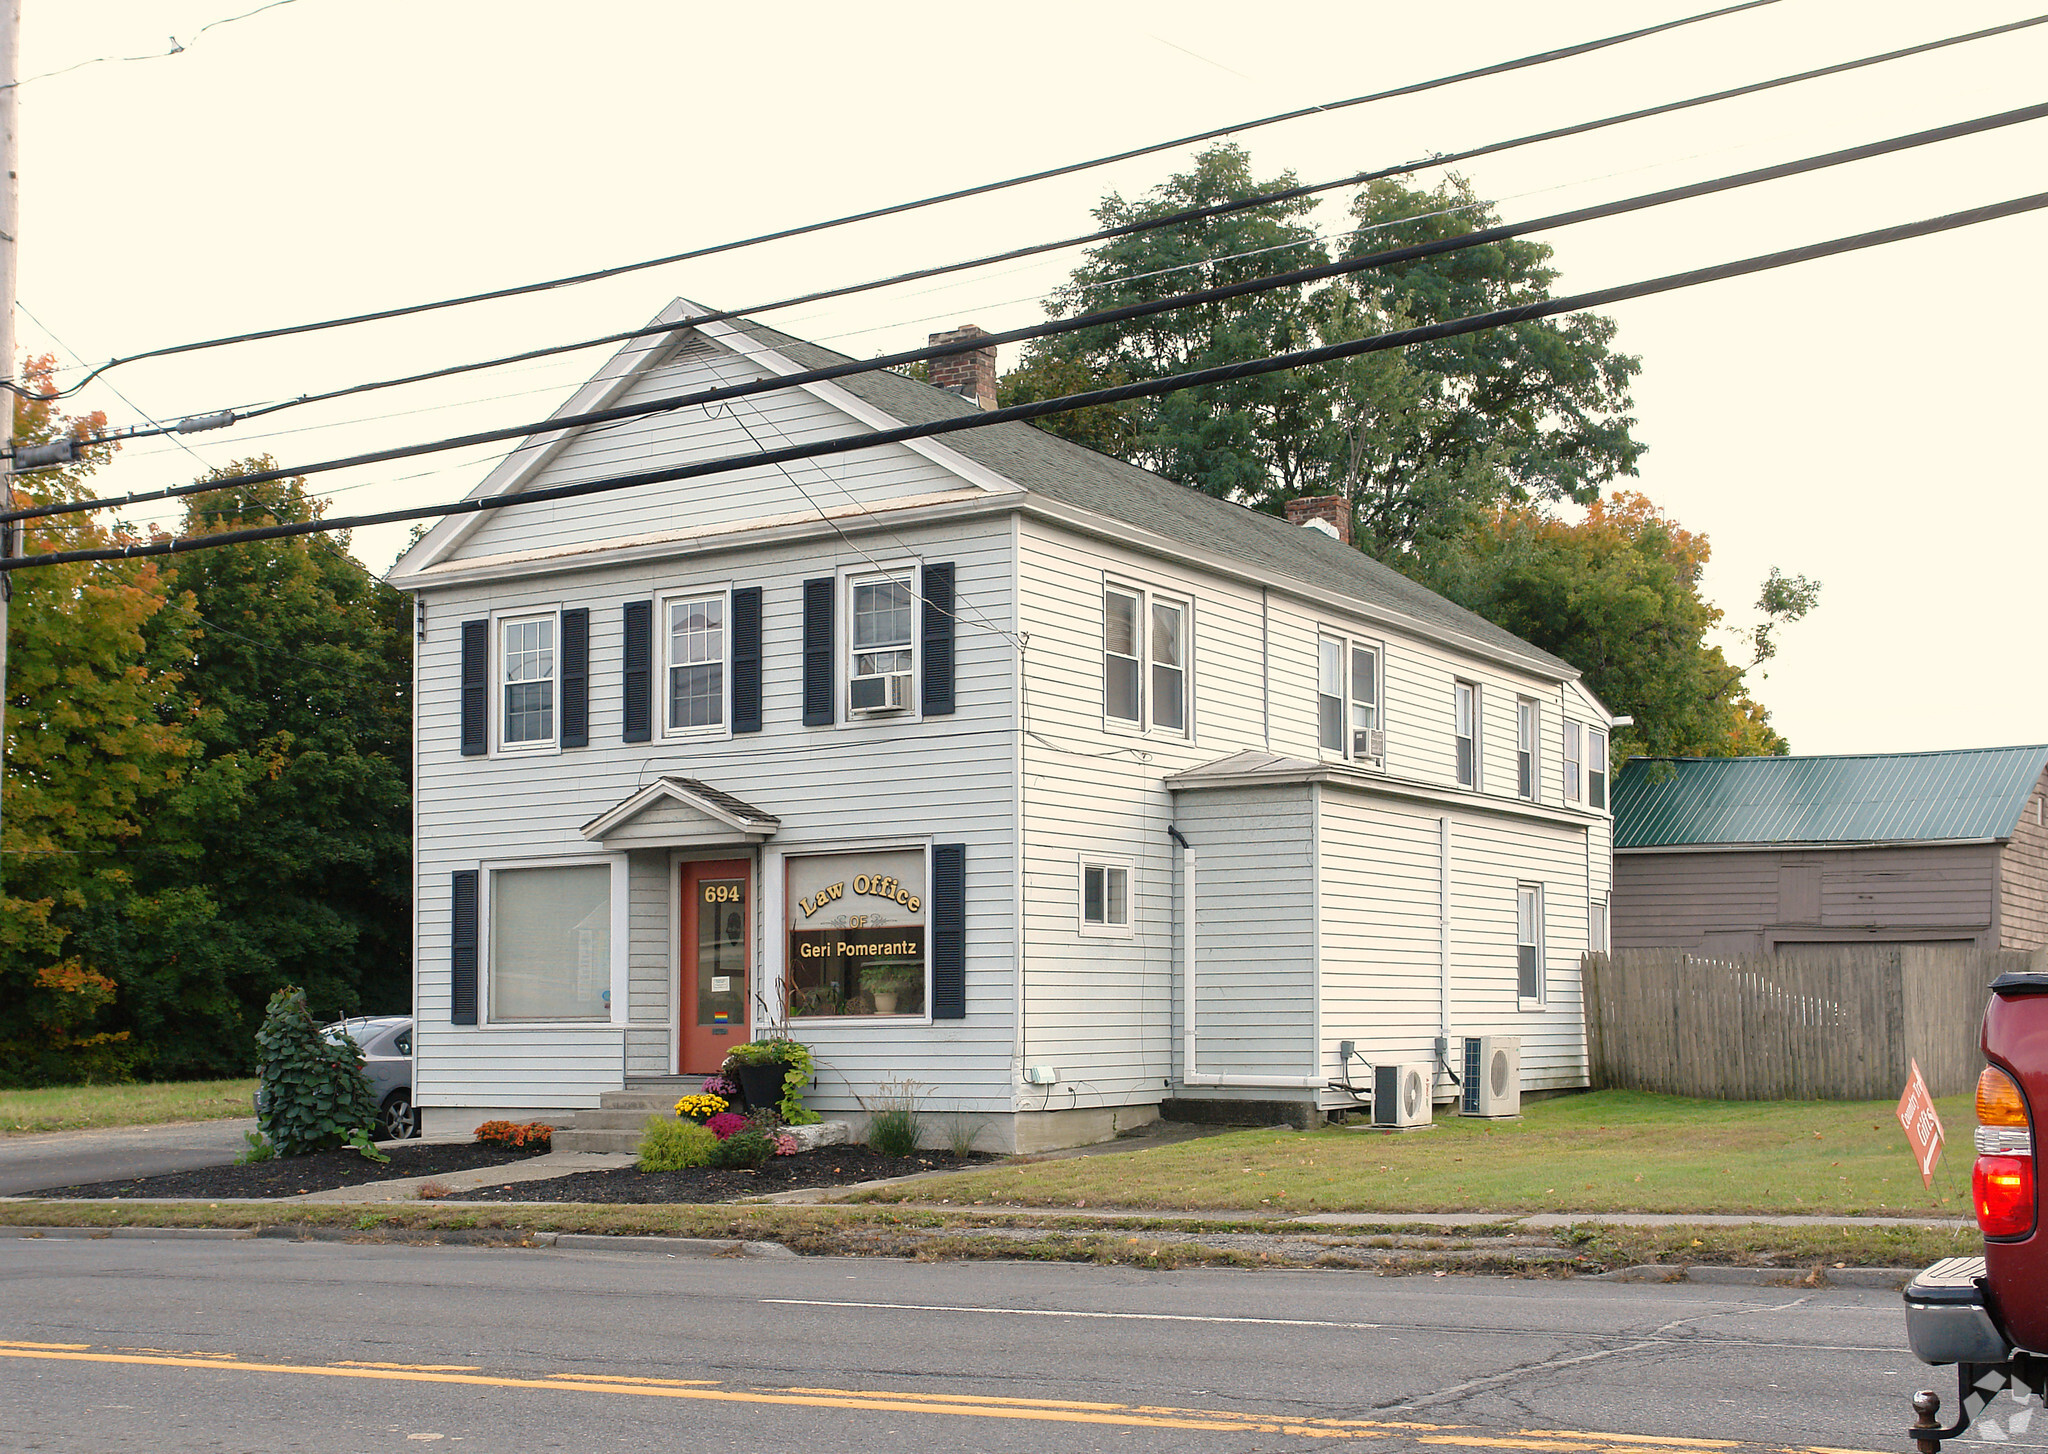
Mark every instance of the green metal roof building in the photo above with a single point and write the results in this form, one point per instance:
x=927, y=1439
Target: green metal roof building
x=1745, y=855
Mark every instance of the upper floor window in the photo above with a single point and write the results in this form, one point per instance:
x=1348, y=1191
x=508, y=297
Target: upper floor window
x=1467, y=731
x=527, y=681
x=1526, y=737
x=1348, y=699
x=1596, y=769
x=884, y=654
x=696, y=647
x=1144, y=659
x=1529, y=941
x=1574, y=759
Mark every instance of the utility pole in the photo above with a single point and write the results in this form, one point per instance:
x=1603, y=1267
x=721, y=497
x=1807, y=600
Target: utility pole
x=10, y=230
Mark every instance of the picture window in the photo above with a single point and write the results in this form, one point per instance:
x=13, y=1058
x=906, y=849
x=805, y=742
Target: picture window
x=551, y=943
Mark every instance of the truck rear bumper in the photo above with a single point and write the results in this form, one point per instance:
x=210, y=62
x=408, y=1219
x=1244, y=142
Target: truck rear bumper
x=1946, y=1317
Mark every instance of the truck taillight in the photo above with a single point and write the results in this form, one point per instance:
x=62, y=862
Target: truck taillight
x=2004, y=1190
x=2002, y=1183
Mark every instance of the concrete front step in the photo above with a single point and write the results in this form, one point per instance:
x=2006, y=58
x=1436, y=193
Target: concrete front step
x=574, y=1139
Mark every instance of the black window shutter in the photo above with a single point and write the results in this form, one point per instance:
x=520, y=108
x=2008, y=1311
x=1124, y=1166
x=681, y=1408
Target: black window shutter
x=462, y=949
x=818, y=648
x=476, y=688
x=576, y=677
x=937, y=697
x=746, y=659
x=949, y=931
x=638, y=678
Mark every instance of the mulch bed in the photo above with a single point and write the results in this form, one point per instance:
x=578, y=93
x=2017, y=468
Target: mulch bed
x=827, y=1166
x=290, y=1175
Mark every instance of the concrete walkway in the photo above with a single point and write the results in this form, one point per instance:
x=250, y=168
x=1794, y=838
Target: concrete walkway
x=540, y=1168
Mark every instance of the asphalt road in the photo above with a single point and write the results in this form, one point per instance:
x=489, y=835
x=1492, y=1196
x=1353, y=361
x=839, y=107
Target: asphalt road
x=116, y=1345
x=71, y=1158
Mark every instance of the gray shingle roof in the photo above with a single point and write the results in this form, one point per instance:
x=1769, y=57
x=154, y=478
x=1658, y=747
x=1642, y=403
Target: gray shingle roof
x=1073, y=475
x=1905, y=797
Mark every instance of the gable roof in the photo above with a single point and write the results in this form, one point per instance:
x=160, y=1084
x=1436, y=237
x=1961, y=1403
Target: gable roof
x=1074, y=475
x=1905, y=797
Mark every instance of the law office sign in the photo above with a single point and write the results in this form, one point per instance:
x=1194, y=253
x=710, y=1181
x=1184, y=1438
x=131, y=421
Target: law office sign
x=857, y=933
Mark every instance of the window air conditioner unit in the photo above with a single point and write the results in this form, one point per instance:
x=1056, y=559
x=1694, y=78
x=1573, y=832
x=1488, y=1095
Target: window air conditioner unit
x=875, y=696
x=1493, y=1076
x=1400, y=1094
x=1374, y=745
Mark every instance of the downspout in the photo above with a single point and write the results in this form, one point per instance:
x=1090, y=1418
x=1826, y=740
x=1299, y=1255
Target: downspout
x=1443, y=940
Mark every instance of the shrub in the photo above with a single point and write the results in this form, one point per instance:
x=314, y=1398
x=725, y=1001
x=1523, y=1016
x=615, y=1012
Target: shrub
x=961, y=1132
x=743, y=1150
x=258, y=1149
x=675, y=1145
x=314, y=1095
x=726, y=1124
x=525, y=1136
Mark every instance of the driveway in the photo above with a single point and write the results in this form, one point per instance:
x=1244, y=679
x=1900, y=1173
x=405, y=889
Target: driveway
x=68, y=1158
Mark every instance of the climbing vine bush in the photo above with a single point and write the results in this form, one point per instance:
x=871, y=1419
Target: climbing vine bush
x=314, y=1095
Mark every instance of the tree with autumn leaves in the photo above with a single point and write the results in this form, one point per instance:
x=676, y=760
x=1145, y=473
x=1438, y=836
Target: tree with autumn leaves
x=206, y=786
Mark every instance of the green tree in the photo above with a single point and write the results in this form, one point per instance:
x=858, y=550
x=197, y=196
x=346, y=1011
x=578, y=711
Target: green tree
x=1231, y=439
x=1618, y=597
x=99, y=737
x=295, y=816
x=1421, y=442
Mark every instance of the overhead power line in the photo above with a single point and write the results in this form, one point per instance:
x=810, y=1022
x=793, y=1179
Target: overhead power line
x=1080, y=322
x=1044, y=408
x=960, y=194
x=1177, y=218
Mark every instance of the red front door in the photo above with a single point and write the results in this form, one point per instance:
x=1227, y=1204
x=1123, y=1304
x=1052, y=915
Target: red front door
x=717, y=909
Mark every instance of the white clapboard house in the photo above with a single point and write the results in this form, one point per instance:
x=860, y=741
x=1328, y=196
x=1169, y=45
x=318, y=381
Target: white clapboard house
x=986, y=765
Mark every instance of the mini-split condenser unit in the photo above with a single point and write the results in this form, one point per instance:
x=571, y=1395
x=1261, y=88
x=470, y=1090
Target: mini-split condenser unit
x=1493, y=1076
x=871, y=696
x=1400, y=1094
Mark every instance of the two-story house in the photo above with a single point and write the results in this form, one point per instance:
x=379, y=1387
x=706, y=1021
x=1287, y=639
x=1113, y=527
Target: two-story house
x=984, y=763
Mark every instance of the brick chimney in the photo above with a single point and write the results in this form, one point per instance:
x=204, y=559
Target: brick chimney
x=1328, y=513
x=970, y=375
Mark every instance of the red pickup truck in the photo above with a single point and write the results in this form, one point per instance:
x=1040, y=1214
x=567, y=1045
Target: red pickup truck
x=1989, y=1315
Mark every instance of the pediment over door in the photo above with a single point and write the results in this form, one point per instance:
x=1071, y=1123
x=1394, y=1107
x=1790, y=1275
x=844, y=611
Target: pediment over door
x=680, y=812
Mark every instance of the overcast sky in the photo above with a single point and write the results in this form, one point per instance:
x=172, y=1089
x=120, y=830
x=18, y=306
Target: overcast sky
x=1863, y=420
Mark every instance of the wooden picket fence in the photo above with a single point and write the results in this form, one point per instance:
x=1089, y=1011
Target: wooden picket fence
x=1821, y=1023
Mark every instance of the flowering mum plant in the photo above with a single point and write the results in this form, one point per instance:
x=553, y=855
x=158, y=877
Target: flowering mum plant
x=785, y=1144
x=718, y=1085
x=725, y=1124
x=528, y=1136
x=701, y=1107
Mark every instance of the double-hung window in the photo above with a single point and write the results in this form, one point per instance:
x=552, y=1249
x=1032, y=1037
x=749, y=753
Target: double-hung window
x=696, y=647
x=1348, y=699
x=1106, y=898
x=1574, y=759
x=1466, y=729
x=1144, y=660
x=882, y=675
x=1596, y=769
x=1527, y=735
x=526, y=681
x=1596, y=925
x=1529, y=941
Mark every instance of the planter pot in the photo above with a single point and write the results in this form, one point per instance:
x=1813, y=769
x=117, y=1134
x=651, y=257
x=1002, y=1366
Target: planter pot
x=885, y=1002
x=761, y=1085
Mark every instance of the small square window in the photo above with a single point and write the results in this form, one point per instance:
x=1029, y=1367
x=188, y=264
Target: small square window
x=1105, y=898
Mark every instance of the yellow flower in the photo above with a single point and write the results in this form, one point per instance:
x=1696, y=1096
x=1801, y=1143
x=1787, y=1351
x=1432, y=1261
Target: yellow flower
x=700, y=1107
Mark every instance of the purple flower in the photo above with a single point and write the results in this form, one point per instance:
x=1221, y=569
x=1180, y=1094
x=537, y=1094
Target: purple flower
x=725, y=1123
x=785, y=1144
x=718, y=1085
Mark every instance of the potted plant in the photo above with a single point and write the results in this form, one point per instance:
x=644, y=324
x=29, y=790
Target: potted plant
x=886, y=982
x=773, y=1073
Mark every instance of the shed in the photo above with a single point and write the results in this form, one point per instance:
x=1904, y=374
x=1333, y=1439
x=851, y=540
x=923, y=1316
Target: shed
x=1750, y=855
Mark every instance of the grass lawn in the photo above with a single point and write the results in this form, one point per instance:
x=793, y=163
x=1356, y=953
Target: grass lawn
x=84, y=1107
x=1608, y=1151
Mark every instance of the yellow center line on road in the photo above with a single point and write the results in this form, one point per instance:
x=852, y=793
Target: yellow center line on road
x=958, y=1405
x=412, y=1367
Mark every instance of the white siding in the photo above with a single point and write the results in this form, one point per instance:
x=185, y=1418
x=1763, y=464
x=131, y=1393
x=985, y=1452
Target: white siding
x=949, y=779
x=737, y=427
